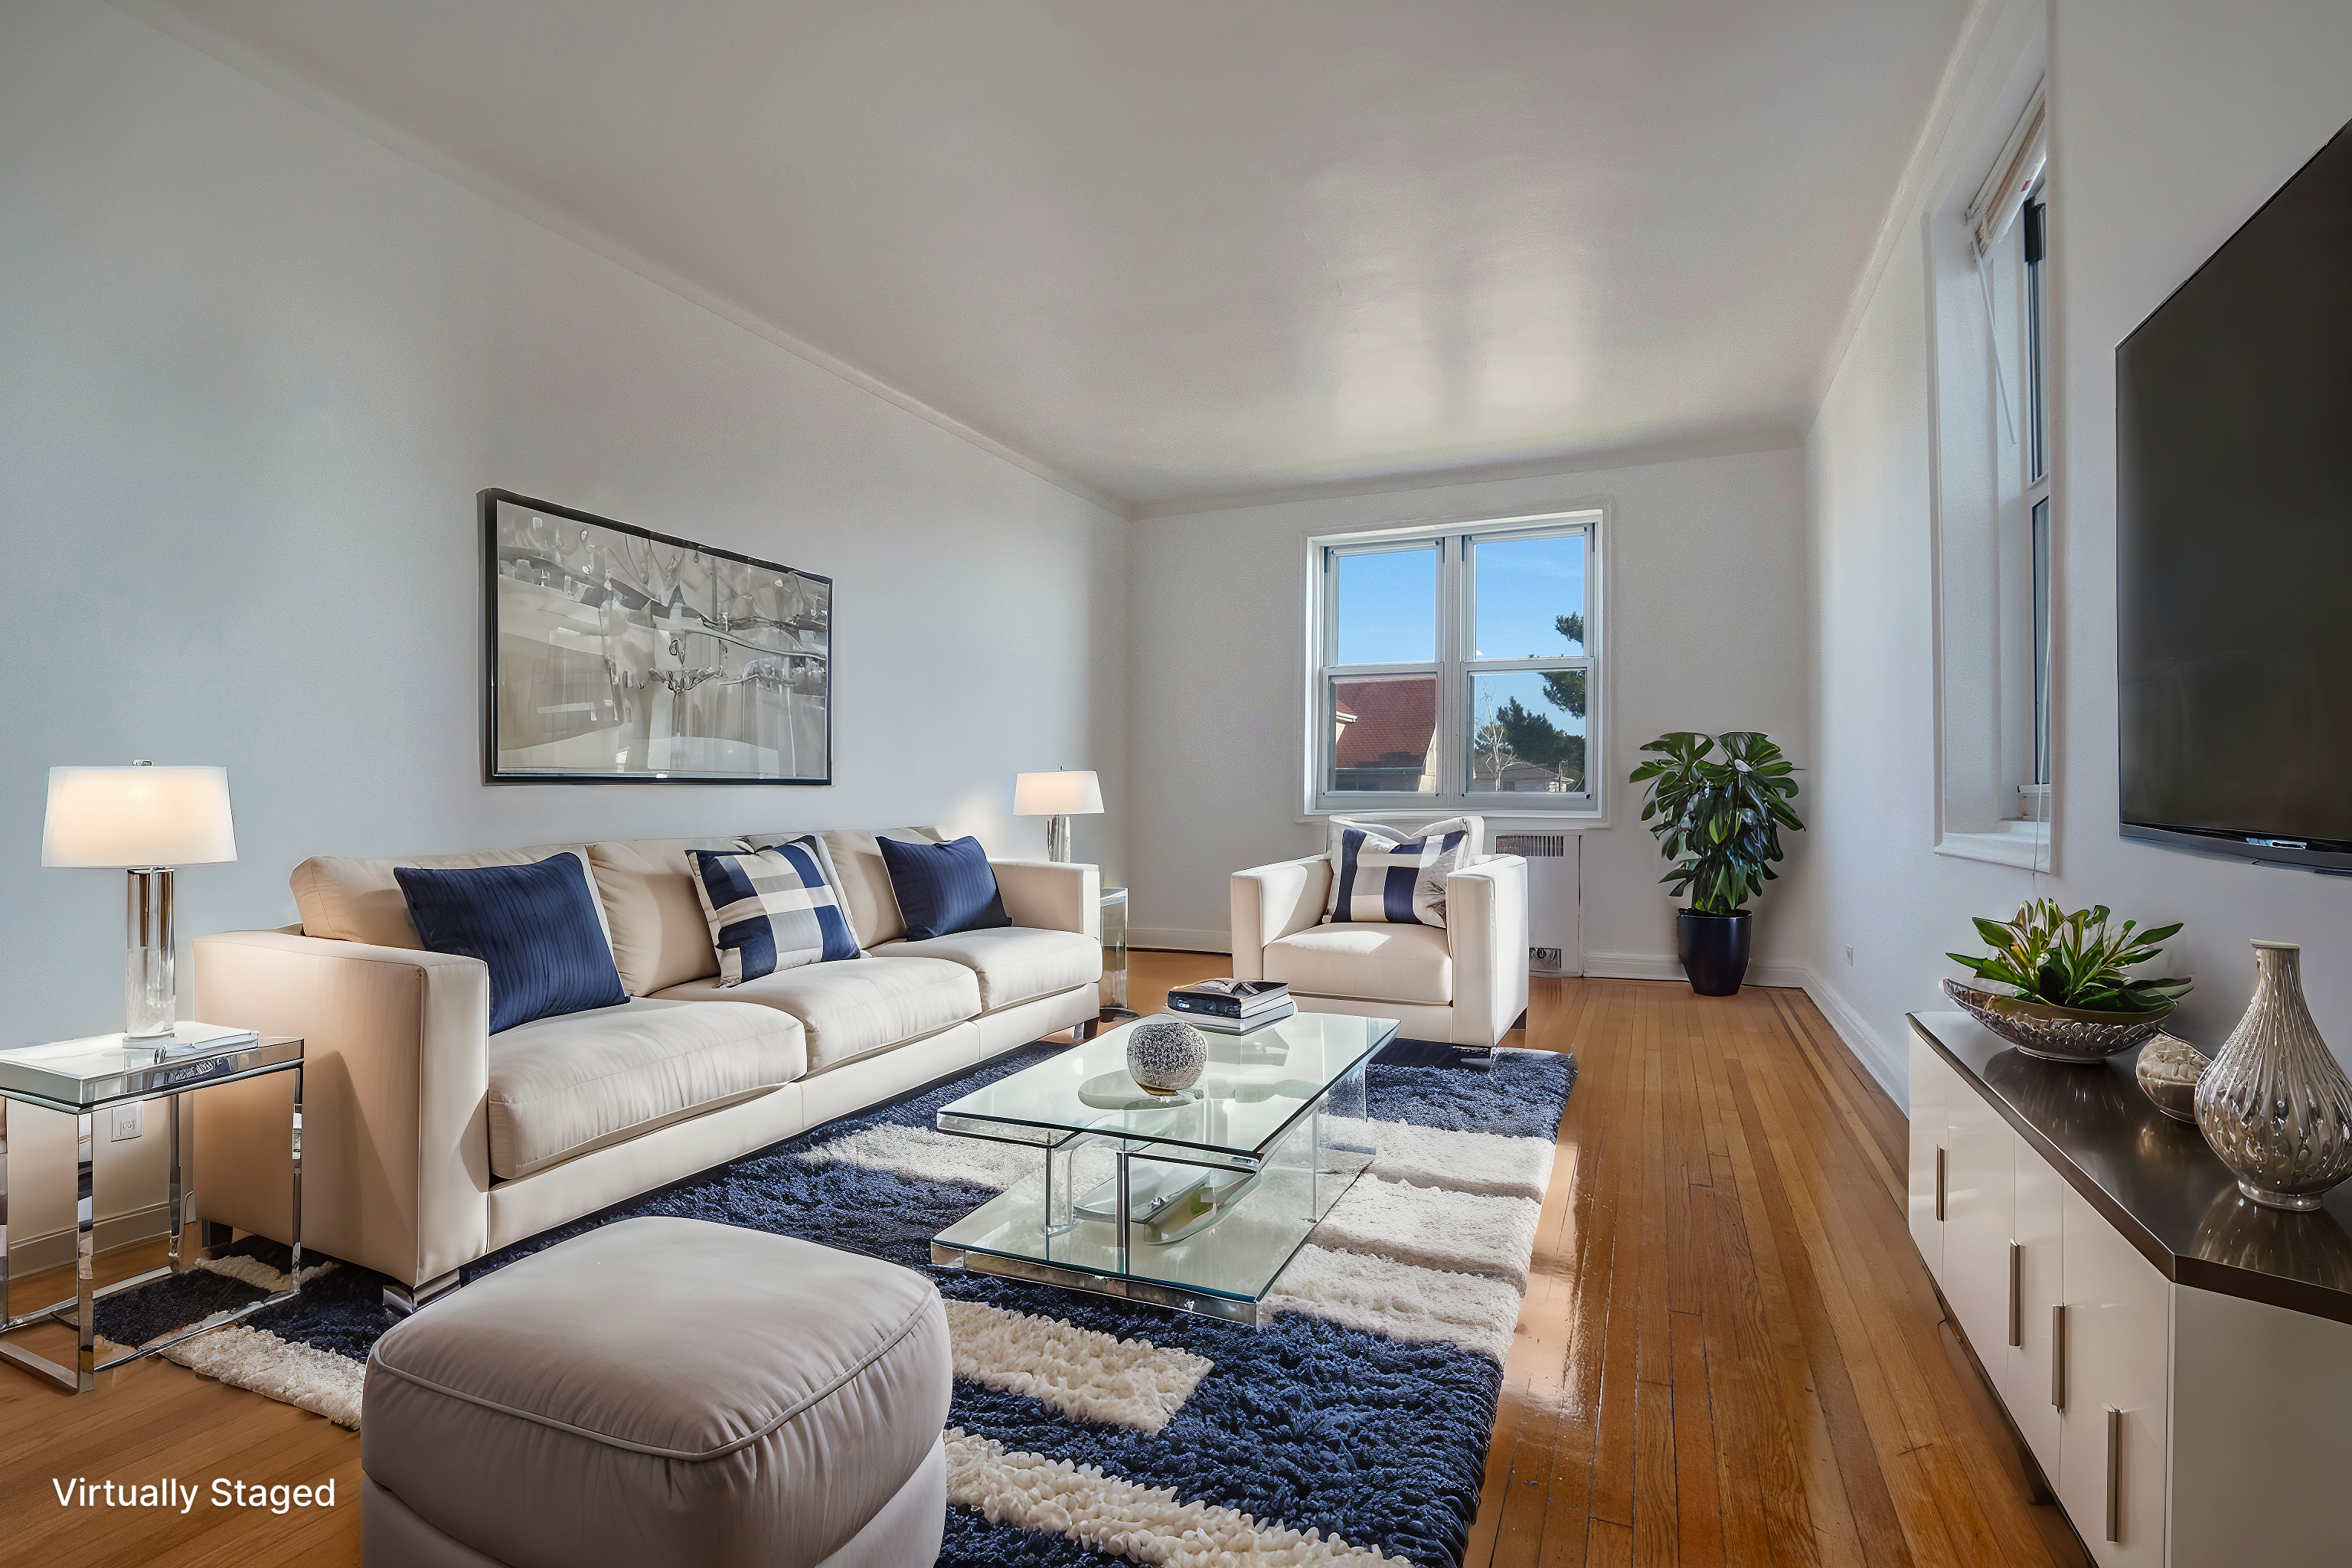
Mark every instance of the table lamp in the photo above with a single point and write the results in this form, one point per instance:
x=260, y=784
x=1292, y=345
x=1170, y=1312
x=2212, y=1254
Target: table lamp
x=1055, y=797
x=145, y=820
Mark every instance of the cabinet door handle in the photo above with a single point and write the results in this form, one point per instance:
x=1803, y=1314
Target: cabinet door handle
x=2115, y=1474
x=2058, y=1356
x=2016, y=1294
x=1939, y=1182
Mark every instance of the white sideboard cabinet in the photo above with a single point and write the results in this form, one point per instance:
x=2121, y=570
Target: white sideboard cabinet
x=2177, y=1359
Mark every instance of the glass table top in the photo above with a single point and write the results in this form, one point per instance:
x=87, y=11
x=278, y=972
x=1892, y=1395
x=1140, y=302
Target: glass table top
x=76, y=1075
x=1253, y=1088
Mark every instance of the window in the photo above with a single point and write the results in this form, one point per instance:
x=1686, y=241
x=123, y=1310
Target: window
x=1454, y=667
x=1993, y=393
x=2033, y=245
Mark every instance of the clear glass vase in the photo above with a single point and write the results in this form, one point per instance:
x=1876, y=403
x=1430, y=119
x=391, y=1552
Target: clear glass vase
x=2274, y=1105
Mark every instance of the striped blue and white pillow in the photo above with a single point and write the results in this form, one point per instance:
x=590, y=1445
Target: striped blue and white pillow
x=771, y=909
x=1380, y=876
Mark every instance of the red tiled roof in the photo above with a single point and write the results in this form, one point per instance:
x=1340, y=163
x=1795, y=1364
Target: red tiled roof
x=1393, y=720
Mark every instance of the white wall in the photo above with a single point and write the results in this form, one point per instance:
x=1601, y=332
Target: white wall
x=1705, y=631
x=254, y=368
x=2174, y=120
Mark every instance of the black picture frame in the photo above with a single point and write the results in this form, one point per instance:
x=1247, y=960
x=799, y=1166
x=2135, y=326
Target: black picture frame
x=797, y=661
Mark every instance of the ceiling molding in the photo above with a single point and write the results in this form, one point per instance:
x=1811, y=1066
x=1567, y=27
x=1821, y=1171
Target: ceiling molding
x=247, y=62
x=1990, y=32
x=1765, y=439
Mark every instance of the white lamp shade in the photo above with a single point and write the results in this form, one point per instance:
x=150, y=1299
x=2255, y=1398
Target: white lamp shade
x=138, y=816
x=1056, y=794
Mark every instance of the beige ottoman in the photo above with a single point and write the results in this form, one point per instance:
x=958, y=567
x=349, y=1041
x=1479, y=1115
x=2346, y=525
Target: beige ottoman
x=662, y=1391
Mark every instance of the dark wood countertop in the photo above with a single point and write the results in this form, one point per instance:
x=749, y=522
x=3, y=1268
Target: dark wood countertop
x=2153, y=1178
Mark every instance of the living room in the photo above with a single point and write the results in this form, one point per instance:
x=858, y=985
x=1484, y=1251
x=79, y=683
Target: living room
x=1130, y=406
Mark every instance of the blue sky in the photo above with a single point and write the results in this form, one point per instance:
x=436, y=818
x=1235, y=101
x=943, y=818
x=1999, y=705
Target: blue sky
x=1388, y=602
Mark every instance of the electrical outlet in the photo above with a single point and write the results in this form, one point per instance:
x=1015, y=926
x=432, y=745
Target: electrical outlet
x=1849, y=955
x=1544, y=957
x=124, y=1121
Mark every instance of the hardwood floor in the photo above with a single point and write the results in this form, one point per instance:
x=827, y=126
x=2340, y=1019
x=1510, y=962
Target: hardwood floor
x=1730, y=1352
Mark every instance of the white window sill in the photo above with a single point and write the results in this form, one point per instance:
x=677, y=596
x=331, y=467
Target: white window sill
x=2025, y=844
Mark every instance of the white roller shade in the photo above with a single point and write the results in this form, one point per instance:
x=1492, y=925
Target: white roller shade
x=2002, y=195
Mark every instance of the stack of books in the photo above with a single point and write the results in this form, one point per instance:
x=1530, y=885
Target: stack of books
x=1232, y=1007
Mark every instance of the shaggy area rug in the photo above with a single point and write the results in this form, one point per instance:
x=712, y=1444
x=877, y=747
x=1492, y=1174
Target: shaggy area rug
x=1353, y=1428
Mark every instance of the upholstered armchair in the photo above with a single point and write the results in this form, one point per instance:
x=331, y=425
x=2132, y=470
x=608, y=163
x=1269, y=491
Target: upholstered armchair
x=1465, y=983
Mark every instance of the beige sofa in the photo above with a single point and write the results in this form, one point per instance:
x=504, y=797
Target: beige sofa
x=429, y=1142
x=1465, y=983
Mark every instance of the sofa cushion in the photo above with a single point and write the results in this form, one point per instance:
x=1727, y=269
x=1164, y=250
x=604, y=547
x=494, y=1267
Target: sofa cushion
x=534, y=927
x=659, y=936
x=943, y=888
x=563, y=1087
x=1376, y=963
x=865, y=882
x=1015, y=963
x=663, y=1392
x=849, y=1009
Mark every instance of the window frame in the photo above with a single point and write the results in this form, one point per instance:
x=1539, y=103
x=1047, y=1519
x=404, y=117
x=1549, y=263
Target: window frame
x=1456, y=610
x=1984, y=412
x=2034, y=372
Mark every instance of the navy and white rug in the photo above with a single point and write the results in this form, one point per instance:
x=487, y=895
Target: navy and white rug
x=1353, y=1428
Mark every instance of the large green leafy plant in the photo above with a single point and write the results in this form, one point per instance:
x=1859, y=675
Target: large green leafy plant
x=1718, y=819
x=2073, y=960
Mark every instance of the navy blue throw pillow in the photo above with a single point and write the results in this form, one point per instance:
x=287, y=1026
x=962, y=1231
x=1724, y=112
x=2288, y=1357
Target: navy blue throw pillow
x=943, y=888
x=534, y=925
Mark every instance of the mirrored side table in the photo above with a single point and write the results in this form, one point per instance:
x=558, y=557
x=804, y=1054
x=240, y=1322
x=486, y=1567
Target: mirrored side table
x=1114, y=976
x=83, y=1080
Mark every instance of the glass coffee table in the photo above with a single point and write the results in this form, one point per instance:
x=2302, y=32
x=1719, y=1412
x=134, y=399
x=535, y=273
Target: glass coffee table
x=1196, y=1202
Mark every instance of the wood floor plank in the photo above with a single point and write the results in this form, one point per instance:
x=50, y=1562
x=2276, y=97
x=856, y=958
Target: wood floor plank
x=1943, y=1522
x=1698, y=1509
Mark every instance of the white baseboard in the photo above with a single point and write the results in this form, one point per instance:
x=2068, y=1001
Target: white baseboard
x=1666, y=967
x=1179, y=940
x=32, y=1254
x=1889, y=1067
x=1884, y=1064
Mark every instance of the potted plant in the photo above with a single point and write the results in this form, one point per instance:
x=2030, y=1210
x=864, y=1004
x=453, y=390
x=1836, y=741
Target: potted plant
x=2069, y=998
x=1719, y=822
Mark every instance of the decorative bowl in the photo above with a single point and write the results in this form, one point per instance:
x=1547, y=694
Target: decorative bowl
x=2057, y=1033
x=2167, y=1072
x=1165, y=1056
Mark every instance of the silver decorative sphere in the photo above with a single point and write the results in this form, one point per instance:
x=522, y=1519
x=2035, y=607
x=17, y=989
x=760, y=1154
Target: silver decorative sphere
x=1165, y=1055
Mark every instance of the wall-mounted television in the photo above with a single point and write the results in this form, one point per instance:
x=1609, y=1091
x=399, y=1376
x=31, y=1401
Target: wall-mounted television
x=2234, y=629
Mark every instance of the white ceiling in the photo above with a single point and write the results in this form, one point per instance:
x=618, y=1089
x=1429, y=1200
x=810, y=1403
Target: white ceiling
x=1185, y=250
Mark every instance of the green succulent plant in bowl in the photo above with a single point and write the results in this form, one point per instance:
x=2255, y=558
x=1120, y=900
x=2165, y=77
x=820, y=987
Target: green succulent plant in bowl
x=2070, y=995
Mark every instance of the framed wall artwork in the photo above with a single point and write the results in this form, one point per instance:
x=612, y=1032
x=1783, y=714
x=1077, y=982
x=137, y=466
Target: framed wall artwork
x=614, y=655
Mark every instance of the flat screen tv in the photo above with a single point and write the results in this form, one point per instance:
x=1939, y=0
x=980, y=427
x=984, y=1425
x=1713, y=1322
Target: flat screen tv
x=2233, y=637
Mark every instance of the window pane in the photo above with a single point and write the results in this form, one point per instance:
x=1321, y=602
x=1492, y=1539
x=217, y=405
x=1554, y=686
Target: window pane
x=1530, y=597
x=1384, y=606
x=1383, y=731
x=2042, y=641
x=1527, y=733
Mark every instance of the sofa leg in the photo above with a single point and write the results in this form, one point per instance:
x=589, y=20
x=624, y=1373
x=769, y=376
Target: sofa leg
x=1101, y=1021
x=212, y=1236
x=404, y=1300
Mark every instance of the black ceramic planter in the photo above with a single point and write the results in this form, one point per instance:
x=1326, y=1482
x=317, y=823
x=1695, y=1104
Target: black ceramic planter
x=1713, y=950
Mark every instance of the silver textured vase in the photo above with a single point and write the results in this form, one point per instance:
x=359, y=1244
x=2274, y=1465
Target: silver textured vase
x=1165, y=1056
x=2274, y=1106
